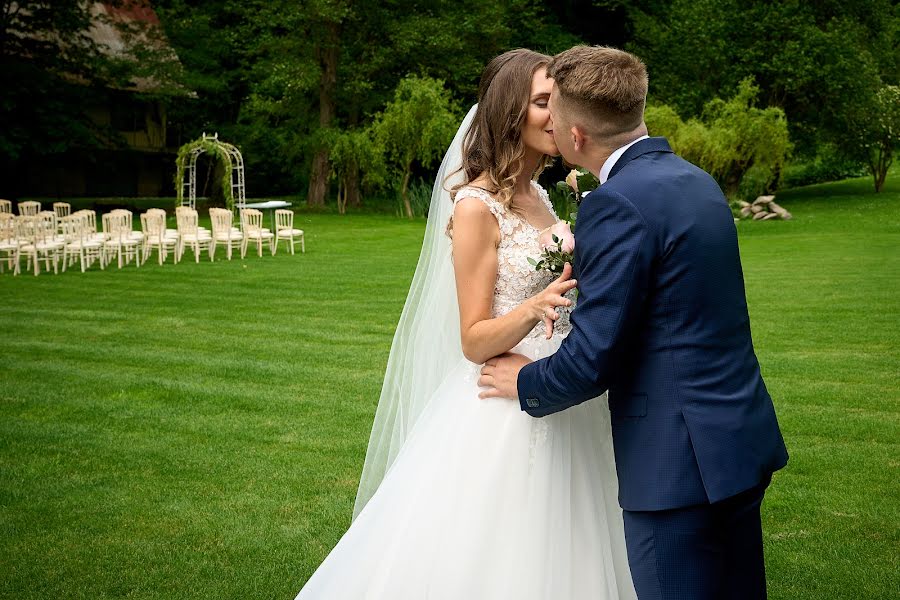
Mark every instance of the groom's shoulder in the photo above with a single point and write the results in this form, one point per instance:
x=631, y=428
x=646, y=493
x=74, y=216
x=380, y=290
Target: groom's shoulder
x=608, y=202
x=655, y=167
x=659, y=175
x=663, y=187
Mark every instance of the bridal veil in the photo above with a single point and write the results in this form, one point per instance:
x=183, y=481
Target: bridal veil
x=426, y=344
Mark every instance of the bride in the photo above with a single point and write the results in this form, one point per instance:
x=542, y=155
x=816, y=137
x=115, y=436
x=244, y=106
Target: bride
x=468, y=498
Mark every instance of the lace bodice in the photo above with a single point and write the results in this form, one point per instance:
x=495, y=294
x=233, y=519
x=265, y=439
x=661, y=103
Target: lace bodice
x=517, y=279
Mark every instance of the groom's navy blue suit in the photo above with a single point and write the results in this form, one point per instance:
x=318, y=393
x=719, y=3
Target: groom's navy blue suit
x=662, y=323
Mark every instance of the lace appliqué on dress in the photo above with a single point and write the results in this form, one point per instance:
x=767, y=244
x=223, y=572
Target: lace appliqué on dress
x=517, y=280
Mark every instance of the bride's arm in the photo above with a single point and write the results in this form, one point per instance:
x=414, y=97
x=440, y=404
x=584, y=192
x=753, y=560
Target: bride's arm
x=476, y=237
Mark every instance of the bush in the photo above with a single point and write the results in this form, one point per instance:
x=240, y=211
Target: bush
x=415, y=128
x=662, y=120
x=757, y=180
x=742, y=146
x=419, y=195
x=875, y=132
x=828, y=164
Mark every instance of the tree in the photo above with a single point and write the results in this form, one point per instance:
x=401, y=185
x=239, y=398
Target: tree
x=876, y=132
x=44, y=50
x=350, y=153
x=742, y=146
x=222, y=45
x=271, y=74
x=598, y=22
x=812, y=59
x=416, y=126
x=350, y=50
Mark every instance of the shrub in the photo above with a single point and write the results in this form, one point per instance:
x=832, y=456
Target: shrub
x=742, y=146
x=828, y=164
x=350, y=153
x=415, y=127
x=875, y=133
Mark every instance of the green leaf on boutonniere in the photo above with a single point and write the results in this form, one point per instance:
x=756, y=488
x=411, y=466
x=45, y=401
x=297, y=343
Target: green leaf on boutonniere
x=587, y=181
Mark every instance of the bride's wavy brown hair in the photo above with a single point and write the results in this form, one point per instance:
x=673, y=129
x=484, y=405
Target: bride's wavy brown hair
x=493, y=145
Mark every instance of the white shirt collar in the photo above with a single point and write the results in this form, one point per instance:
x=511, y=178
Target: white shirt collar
x=614, y=157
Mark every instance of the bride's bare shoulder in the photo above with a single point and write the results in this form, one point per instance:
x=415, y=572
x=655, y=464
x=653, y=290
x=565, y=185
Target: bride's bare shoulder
x=473, y=211
x=469, y=205
x=475, y=216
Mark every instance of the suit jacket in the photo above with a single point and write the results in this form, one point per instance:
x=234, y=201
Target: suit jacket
x=662, y=323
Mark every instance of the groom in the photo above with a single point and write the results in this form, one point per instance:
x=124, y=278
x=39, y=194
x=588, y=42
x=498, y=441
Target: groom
x=661, y=323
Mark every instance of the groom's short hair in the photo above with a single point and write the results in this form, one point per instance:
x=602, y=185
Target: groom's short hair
x=603, y=88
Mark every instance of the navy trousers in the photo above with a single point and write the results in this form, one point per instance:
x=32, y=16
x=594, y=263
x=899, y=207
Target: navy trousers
x=706, y=552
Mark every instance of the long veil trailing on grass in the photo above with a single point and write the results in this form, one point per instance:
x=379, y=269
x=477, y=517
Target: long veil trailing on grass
x=426, y=344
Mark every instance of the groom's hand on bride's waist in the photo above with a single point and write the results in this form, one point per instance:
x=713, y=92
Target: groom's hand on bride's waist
x=500, y=375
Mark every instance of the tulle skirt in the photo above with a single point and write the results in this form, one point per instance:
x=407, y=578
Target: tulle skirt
x=486, y=502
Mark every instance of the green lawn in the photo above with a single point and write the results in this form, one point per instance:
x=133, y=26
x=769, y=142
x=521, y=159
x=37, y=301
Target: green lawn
x=824, y=295
x=196, y=431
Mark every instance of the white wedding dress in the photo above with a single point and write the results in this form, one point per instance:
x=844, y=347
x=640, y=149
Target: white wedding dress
x=484, y=502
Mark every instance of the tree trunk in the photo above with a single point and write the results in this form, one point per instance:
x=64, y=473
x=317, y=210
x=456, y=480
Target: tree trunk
x=772, y=184
x=318, y=180
x=328, y=59
x=882, y=164
x=353, y=197
x=342, y=197
x=733, y=179
x=404, y=192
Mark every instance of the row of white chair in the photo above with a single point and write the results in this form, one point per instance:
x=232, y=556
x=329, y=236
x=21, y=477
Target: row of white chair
x=31, y=208
x=45, y=237
x=251, y=231
x=284, y=222
x=37, y=237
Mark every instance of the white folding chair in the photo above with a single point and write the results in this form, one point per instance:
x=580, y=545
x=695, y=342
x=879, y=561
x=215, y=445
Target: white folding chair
x=129, y=227
x=90, y=219
x=50, y=223
x=37, y=241
x=223, y=232
x=178, y=209
x=153, y=226
x=9, y=243
x=79, y=242
x=29, y=208
x=284, y=230
x=190, y=234
x=61, y=209
x=119, y=241
x=251, y=226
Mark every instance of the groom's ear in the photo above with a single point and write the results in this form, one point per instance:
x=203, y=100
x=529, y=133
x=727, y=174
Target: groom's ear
x=578, y=138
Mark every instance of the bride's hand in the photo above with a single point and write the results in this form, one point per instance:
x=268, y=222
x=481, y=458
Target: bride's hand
x=544, y=304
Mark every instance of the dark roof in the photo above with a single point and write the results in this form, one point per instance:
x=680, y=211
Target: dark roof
x=125, y=30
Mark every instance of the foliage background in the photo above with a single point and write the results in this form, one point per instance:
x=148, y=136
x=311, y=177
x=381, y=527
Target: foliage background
x=290, y=82
x=284, y=81
x=820, y=63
